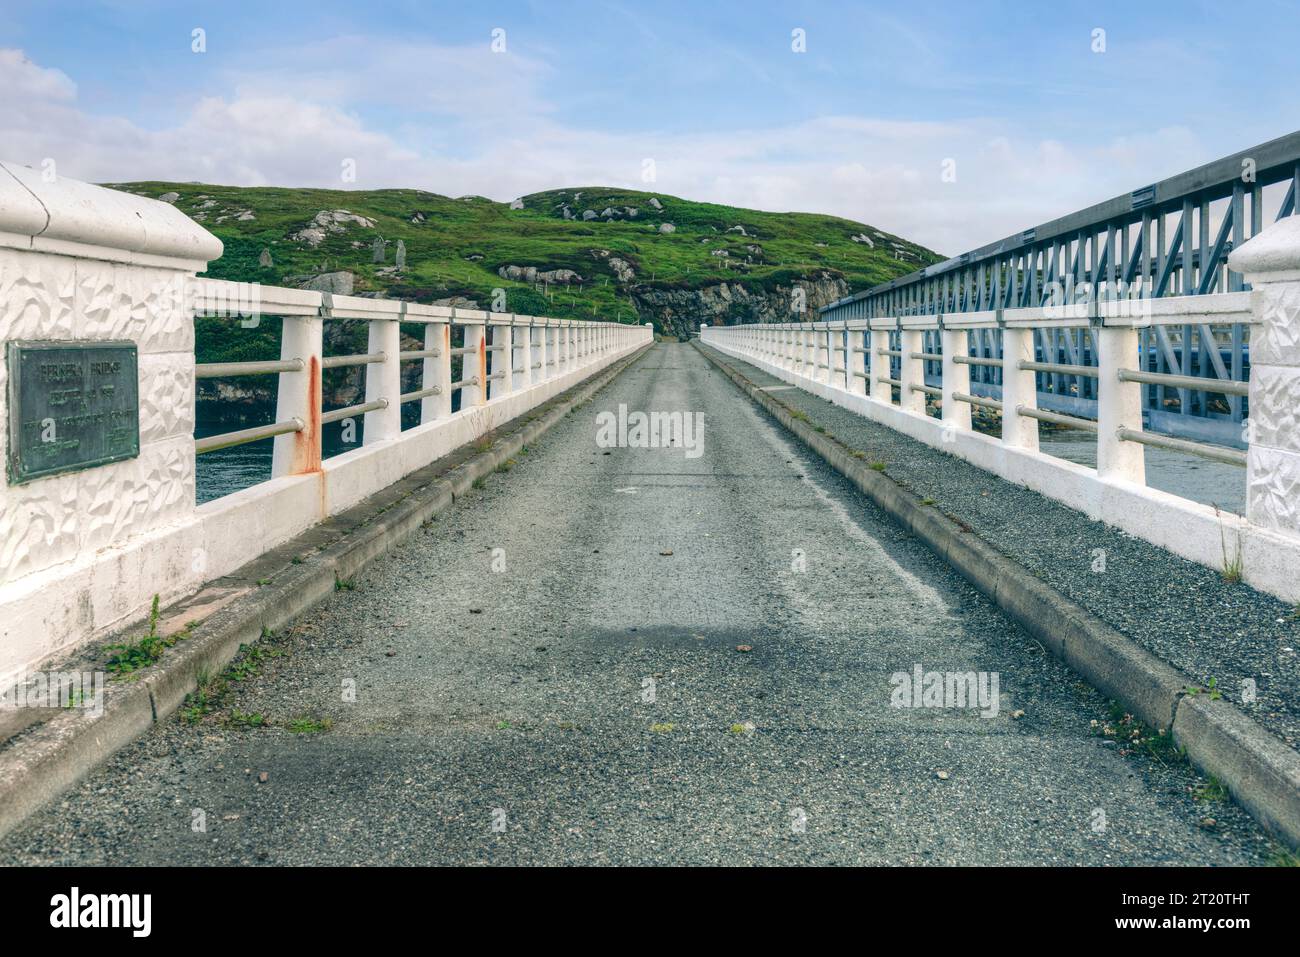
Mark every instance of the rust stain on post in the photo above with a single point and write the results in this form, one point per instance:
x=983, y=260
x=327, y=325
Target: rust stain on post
x=482, y=366
x=307, y=443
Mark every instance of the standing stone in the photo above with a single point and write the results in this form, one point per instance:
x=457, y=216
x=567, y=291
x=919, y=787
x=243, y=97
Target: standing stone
x=377, y=250
x=264, y=260
x=400, y=256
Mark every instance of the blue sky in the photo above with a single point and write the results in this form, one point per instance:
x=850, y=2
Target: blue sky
x=1035, y=121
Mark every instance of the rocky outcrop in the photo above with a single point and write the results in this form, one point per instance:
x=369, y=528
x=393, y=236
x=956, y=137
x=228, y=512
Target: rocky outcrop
x=561, y=277
x=329, y=221
x=337, y=283
x=681, y=311
x=623, y=270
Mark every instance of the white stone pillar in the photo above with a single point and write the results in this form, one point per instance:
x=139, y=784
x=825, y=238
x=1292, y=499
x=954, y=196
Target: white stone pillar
x=383, y=381
x=1018, y=389
x=474, y=367
x=1270, y=262
x=881, y=390
x=538, y=373
x=854, y=360
x=84, y=266
x=911, y=371
x=437, y=371
x=298, y=396
x=838, y=359
x=503, y=360
x=1119, y=406
x=956, y=378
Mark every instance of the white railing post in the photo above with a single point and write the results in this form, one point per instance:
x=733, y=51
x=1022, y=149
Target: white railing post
x=956, y=378
x=544, y=350
x=881, y=390
x=298, y=396
x=503, y=359
x=857, y=384
x=1270, y=262
x=384, y=381
x=473, y=366
x=911, y=371
x=1019, y=389
x=537, y=353
x=1119, y=406
x=436, y=372
x=839, y=362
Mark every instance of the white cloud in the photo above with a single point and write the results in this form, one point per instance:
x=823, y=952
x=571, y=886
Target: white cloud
x=475, y=122
x=23, y=78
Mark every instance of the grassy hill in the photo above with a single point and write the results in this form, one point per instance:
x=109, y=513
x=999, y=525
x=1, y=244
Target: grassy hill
x=455, y=247
x=584, y=253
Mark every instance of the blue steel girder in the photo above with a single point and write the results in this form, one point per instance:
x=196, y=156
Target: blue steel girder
x=1210, y=266
x=1058, y=250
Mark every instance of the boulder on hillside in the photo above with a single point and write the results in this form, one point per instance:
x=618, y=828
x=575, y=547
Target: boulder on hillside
x=623, y=270
x=330, y=221
x=667, y=228
x=169, y=197
x=336, y=283
x=654, y=201
x=562, y=277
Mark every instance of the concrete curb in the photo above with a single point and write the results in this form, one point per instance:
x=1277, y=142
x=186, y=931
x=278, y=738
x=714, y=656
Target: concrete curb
x=1261, y=772
x=52, y=757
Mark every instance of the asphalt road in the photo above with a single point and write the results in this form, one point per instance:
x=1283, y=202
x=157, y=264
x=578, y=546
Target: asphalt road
x=639, y=655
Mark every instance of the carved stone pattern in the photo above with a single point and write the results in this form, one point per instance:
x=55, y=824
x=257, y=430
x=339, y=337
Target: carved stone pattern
x=157, y=489
x=56, y=519
x=1276, y=340
x=1273, y=489
x=1275, y=406
x=166, y=396
x=36, y=295
x=144, y=305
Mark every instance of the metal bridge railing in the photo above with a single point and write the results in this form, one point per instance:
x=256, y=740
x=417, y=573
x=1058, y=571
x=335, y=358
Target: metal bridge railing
x=1169, y=239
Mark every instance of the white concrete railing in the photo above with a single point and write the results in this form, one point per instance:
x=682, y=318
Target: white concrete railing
x=499, y=354
x=83, y=553
x=848, y=363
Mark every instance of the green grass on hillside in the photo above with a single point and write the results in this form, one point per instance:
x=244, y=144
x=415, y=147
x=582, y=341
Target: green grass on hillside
x=454, y=247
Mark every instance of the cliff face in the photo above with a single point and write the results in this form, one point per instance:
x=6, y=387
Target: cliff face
x=678, y=311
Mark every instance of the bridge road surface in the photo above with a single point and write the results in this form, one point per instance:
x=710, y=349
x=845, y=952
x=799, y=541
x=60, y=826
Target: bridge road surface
x=515, y=698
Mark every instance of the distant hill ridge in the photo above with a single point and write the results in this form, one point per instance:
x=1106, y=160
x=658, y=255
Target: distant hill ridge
x=586, y=252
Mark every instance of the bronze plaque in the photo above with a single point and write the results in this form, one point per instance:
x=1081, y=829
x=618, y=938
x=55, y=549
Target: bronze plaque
x=72, y=405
